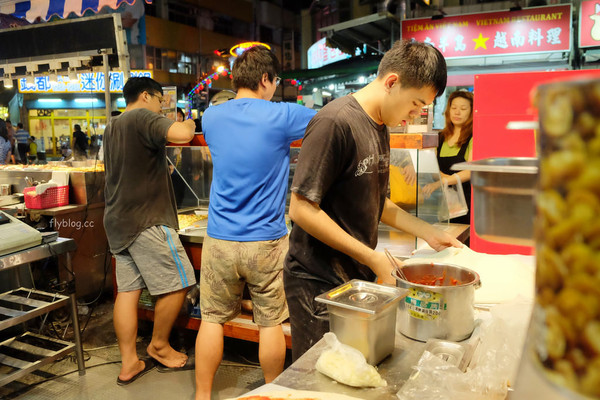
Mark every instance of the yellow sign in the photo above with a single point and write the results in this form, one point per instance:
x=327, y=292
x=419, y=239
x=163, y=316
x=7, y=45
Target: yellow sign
x=238, y=49
x=87, y=82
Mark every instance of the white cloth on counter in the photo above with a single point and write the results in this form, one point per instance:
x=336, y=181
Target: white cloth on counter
x=503, y=277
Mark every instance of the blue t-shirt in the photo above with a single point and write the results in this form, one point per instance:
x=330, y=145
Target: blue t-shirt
x=249, y=142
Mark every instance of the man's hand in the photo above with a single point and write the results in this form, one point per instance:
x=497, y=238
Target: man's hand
x=439, y=240
x=382, y=266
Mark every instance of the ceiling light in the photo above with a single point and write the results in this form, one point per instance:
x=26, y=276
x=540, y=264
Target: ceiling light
x=50, y=100
x=331, y=87
x=91, y=100
x=315, y=90
x=362, y=79
x=8, y=82
x=326, y=93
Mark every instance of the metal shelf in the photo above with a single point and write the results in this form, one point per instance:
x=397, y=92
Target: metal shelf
x=25, y=353
x=22, y=304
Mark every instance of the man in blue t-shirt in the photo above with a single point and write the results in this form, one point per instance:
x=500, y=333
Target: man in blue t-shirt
x=249, y=139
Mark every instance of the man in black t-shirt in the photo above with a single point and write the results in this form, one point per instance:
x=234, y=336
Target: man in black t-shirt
x=340, y=186
x=141, y=225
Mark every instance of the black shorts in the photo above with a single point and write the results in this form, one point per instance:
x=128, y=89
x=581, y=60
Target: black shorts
x=309, y=320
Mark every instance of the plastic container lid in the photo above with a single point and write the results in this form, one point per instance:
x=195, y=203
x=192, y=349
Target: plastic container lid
x=362, y=296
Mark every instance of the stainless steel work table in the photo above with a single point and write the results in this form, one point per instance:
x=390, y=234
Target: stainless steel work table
x=24, y=304
x=395, y=369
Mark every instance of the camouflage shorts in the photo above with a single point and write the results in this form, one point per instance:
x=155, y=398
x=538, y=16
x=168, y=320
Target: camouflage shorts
x=228, y=266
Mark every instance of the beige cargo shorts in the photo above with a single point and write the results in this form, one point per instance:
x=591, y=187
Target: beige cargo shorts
x=228, y=266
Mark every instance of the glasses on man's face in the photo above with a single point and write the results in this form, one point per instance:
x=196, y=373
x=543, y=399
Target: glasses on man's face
x=158, y=96
x=277, y=81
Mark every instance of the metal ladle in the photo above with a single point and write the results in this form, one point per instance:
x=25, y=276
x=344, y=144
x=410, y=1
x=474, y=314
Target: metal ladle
x=395, y=264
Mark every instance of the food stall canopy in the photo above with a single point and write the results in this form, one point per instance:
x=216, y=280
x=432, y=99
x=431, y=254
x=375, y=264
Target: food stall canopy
x=31, y=10
x=337, y=72
x=376, y=31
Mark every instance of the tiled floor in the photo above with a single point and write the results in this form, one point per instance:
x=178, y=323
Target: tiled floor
x=238, y=373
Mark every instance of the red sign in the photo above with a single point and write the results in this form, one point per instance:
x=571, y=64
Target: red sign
x=589, y=24
x=533, y=30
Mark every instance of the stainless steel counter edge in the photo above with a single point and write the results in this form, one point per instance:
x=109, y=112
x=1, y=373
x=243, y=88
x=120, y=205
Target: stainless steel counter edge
x=60, y=246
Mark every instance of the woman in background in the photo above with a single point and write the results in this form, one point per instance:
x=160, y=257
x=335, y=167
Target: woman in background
x=456, y=145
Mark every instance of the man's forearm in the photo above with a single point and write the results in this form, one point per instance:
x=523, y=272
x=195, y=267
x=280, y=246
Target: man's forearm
x=397, y=218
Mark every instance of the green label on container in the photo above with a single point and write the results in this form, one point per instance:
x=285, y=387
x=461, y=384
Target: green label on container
x=423, y=304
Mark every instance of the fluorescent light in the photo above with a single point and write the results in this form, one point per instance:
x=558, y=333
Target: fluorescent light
x=181, y=102
x=315, y=90
x=86, y=100
x=326, y=93
x=121, y=99
x=331, y=87
x=49, y=100
x=362, y=79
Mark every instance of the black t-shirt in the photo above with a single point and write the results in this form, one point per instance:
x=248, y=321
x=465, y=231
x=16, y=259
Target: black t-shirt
x=80, y=141
x=343, y=166
x=138, y=191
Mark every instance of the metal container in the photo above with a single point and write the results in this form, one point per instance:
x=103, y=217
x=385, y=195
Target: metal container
x=437, y=312
x=363, y=315
x=503, y=198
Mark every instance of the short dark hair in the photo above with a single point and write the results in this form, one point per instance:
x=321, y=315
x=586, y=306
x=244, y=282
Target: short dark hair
x=249, y=68
x=418, y=65
x=180, y=111
x=77, y=127
x=136, y=86
x=20, y=125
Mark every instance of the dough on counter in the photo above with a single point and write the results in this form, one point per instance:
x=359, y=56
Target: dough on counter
x=347, y=365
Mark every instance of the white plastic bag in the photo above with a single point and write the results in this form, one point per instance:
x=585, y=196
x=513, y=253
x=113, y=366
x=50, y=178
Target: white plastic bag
x=347, y=365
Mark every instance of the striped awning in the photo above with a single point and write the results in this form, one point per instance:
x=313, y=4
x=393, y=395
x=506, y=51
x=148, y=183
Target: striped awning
x=45, y=9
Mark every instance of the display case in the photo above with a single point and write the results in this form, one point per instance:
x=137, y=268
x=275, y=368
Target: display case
x=414, y=166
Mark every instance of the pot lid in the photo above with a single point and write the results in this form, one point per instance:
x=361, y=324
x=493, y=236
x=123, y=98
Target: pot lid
x=362, y=296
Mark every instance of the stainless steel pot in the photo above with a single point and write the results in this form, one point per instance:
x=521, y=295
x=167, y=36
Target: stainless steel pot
x=437, y=312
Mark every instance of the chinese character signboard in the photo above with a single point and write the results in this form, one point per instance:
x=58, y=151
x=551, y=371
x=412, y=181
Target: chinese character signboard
x=589, y=24
x=533, y=30
x=88, y=82
x=319, y=54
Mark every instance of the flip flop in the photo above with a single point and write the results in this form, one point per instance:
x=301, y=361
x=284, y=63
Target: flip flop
x=189, y=365
x=148, y=366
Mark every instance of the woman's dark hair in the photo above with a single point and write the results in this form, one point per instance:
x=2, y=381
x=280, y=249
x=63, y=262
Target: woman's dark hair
x=418, y=65
x=249, y=68
x=180, y=111
x=3, y=130
x=466, y=131
x=136, y=86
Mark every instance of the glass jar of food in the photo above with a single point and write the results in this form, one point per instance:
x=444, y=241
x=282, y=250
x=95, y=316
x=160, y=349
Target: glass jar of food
x=567, y=232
